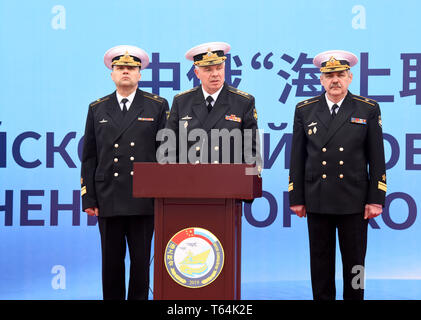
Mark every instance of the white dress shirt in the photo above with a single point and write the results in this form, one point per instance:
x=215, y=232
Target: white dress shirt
x=214, y=96
x=330, y=104
x=130, y=97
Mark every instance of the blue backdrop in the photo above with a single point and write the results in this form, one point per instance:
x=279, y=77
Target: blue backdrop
x=52, y=68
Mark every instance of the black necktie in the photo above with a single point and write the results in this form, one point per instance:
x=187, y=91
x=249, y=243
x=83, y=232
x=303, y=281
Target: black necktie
x=335, y=107
x=124, y=110
x=209, y=99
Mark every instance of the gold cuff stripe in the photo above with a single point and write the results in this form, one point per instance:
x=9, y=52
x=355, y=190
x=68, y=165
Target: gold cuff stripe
x=83, y=191
x=382, y=186
x=291, y=186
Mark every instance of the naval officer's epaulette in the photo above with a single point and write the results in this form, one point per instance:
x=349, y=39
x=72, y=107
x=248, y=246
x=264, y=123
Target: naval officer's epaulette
x=364, y=99
x=239, y=92
x=307, y=102
x=153, y=96
x=99, y=100
x=184, y=92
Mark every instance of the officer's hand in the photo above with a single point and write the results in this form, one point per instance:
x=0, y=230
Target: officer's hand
x=92, y=211
x=372, y=210
x=299, y=210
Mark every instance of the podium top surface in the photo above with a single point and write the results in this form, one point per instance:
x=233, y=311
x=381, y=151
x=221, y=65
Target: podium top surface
x=154, y=180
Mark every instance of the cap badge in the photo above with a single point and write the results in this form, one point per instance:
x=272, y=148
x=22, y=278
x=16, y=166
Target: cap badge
x=210, y=58
x=332, y=62
x=334, y=65
x=126, y=60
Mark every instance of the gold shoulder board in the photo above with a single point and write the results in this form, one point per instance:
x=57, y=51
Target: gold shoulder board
x=153, y=96
x=364, y=99
x=239, y=92
x=184, y=92
x=99, y=101
x=306, y=102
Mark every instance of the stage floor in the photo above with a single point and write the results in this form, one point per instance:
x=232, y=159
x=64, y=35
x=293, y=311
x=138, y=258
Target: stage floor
x=375, y=289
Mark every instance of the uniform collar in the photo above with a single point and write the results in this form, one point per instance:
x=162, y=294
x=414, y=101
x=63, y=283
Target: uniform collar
x=130, y=97
x=330, y=103
x=214, y=96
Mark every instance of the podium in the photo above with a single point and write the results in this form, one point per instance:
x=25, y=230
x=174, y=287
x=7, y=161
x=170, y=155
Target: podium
x=198, y=210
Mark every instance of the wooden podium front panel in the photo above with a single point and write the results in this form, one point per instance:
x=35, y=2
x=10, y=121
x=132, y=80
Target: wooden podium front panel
x=214, y=181
x=222, y=217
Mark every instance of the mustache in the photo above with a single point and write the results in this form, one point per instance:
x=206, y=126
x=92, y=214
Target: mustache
x=335, y=85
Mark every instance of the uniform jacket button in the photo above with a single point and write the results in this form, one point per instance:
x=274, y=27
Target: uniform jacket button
x=131, y=158
x=324, y=176
x=116, y=160
x=132, y=144
x=324, y=149
x=116, y=145
x=115, y=174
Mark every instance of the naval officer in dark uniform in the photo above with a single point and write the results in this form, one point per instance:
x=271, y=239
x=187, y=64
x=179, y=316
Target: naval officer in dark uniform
x=121, y=129
x=337, y=174
x=204, y=119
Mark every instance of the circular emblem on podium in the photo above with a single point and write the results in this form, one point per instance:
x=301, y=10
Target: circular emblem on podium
x=194, y=257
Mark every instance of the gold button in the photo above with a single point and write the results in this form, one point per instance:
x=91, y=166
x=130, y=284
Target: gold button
x=197, y=148
x=341, y=162
x=132, y=144
x=341, y=176
x=324, y=149
x=324, y=163
x=341, y=149
x=131, y=158
x=324, y=176
x=131, y=172
x=115, y=159
x=115, y=174
x=116, y=145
